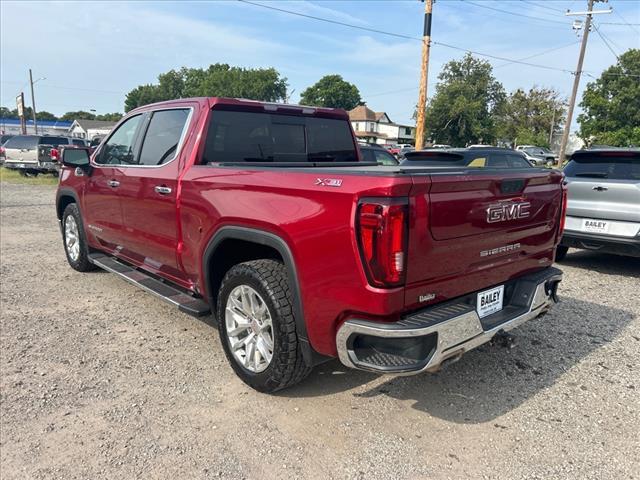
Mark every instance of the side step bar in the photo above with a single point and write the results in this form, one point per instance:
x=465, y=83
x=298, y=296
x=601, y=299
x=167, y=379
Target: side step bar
x=185, y=303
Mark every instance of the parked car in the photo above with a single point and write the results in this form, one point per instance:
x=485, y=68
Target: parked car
x=3, y=139
x=404, y=150
x=467, y=157
x=393, y=150
x=440, y=145
x=603, y=210
x=35, y=154
x=377, y=154
x=543, y=153
x=266, y=215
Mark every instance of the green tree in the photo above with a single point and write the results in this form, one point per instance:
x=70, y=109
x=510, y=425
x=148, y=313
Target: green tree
x=44, y=115
x=109, y=117
x=467, y=104
x=332, y=91
x=78, y=115
x=219, y=80
x=611, y=105
x=528, y=117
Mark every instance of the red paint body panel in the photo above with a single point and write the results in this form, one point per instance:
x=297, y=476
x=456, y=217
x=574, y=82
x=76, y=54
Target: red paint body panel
x=168, y=235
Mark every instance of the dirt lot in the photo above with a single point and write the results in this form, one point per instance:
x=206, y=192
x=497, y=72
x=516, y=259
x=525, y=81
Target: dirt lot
x=101, y=380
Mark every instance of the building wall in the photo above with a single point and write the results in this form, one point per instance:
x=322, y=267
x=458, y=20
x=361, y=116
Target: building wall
x=42, y=130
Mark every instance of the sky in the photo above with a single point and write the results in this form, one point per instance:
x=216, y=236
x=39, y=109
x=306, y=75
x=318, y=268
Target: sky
x=90, y=54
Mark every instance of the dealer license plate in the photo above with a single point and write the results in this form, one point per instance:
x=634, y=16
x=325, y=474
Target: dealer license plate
x=490, y=301
x=595, y=226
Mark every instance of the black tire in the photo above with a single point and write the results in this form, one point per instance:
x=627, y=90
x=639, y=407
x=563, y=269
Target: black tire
x=561, y=252
x=82, y=263
x=269, y=279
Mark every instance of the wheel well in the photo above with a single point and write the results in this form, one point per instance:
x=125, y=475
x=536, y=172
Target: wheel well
x=230, y=252
x=63, y=203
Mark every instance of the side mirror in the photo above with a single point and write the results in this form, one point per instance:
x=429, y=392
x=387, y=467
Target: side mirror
x=75, y=157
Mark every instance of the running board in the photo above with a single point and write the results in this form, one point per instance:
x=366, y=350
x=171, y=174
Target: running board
x=185, y=303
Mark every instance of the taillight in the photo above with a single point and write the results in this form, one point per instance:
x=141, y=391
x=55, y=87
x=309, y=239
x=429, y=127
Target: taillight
x=563, y=211
x=382, y=227
x=2, y=152
x=54, y=154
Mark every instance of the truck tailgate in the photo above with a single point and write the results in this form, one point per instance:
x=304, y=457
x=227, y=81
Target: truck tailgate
x=472, y=230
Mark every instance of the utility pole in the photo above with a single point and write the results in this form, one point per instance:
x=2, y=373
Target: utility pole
x=33, y=104
x=578, y=73
x=422, y=97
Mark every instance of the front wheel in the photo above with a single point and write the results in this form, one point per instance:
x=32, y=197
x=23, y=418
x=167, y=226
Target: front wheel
x=257, y=327
x=75, y=241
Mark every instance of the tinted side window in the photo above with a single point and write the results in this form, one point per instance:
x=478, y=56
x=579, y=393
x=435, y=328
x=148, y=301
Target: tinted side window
x=119, y=148
x=78, y=142
x=367, y=155
x=22, y=142
x=498, y=160
x=516, y=161
x=163, y=135
x=384, y=158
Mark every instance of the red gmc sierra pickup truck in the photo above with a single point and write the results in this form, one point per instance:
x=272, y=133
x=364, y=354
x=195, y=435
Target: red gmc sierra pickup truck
x=266, y=216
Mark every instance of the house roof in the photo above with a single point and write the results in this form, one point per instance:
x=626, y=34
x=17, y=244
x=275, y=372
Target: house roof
x=89, y=124
x=363, y=113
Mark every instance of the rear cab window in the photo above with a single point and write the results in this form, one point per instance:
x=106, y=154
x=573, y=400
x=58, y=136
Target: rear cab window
x=240, y=136
x=22, y=142
x=622, y=165
x=54, y=141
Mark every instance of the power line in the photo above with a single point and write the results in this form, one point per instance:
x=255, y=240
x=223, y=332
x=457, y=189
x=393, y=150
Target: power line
x=605, y=41
x=618, y=23
x=543, y=6
x=515, y=13
x=335, y=22
x=539, y=54
x=625, y=21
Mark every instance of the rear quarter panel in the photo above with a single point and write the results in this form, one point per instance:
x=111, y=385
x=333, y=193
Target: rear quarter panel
x=316, y=222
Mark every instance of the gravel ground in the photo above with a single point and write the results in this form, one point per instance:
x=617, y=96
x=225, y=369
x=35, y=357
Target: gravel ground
x=101, y=380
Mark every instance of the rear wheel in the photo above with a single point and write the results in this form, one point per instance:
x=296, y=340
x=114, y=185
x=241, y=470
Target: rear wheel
x=561, y=252
x=75, y=242
x=257, y=327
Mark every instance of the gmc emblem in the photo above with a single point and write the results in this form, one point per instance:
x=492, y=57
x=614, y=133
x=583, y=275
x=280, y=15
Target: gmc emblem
x=502, y=212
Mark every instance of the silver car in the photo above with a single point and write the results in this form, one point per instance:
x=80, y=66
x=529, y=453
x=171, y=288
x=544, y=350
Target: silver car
x=603, y=208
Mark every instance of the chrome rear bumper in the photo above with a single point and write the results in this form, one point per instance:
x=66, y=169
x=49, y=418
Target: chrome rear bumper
x=423, y=341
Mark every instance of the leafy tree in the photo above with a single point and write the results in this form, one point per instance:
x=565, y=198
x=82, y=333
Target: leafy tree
x=219, y=80
x=332, y=91
x=611, y=104
x=44, y=115
x=78, y=115
x=109, y=117
x=467, y=103
x=527, y=117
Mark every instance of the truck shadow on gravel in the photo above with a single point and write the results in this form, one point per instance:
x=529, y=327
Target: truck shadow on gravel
x=602, y=263
x=492, y=380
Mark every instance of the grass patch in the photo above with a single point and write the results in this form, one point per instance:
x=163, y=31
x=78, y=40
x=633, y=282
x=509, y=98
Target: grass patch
x=13, y=176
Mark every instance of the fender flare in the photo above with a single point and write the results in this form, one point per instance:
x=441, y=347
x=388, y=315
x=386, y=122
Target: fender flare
x=66, y=192
x=269, y=239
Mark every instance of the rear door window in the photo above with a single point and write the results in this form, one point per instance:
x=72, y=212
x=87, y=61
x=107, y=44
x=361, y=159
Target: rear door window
x=22, y=142
x=163, y=136
x=384, y=158
x=267, y=137
x=612, y=166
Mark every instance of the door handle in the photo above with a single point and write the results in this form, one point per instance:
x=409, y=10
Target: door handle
x=162, y=190
x=113, y=183
x=599, y=188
